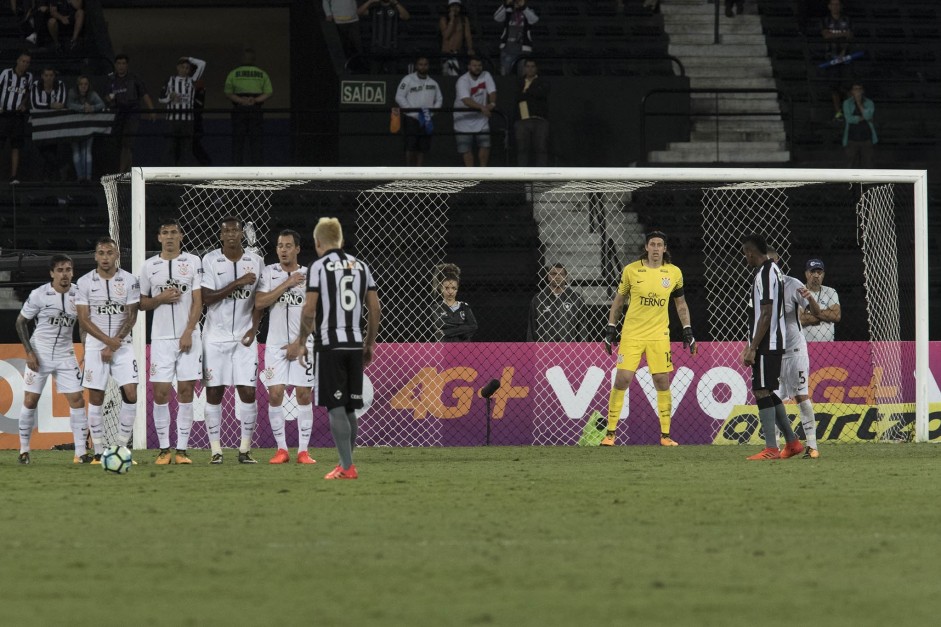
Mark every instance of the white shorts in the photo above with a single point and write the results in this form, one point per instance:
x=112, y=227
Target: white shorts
x=66, y=372
x=122, y=368
x=230, y=363
x=795, y=371
x=279, y=371
x=168, y=362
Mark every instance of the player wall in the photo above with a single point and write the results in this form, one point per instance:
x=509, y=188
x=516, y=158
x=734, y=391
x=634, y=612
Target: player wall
x=434, y=401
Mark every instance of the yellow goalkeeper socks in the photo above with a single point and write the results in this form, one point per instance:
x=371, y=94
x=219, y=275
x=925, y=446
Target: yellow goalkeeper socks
x=615, y=404
x=664, y=409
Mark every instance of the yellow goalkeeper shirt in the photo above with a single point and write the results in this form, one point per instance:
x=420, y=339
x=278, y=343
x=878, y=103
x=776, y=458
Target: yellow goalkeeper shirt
x=647, y=292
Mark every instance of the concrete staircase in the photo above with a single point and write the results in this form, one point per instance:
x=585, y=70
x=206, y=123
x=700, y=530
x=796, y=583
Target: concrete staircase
x=740, y=61
x=570, y=235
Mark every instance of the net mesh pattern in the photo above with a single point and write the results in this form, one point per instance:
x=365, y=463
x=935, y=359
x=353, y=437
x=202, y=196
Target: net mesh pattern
x=540, y=262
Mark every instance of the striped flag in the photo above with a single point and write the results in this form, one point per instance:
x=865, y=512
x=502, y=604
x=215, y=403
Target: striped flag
x=60, y=124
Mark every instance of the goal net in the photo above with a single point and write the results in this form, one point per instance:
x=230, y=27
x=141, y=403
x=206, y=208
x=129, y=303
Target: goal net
x=540, y=255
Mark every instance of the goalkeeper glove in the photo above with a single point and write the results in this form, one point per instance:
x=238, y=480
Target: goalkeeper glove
x=689, y=341
x=609, y=333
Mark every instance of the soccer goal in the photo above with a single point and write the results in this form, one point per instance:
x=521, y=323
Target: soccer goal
x=506, y=228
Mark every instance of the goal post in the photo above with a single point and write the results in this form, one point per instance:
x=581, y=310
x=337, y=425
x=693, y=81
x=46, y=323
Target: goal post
x=568, y=205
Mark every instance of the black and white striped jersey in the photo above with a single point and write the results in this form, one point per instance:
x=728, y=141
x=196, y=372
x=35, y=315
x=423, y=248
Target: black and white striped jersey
x=41, y=99
x=768, y=288
x=181, y=109
x=341, y=282
x=13, y=89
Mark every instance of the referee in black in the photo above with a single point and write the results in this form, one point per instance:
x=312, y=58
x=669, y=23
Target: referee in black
x=340, y=290
x=15, y=84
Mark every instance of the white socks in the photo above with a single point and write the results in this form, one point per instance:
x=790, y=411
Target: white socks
x=305, y=424
x=96, y=427
x=809, y=422
x=27, y=422
x=184, y=424
x=79, y=423
x=213, y=416
x=126, y=418
x=276, y=418
x=162, y=424
x=248, y=415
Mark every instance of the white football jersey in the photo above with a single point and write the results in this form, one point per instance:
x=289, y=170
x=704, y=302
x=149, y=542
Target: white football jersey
x=230, y=318
x=794, y=303
x=55, y=317
x=107, y=301
x=185, y=273
x=284, y=316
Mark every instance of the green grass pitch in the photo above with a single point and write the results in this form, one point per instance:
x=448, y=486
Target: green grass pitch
x=478, y=536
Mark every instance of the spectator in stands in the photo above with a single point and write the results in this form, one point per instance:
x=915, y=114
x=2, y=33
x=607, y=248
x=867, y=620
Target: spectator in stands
x=48, y=93
x=248, y=87
x=558, y=313
x=837, y=32
x=859, y=134
x=344, y=15
x=739, y=6
x=516, y=39
x=456, y=38
x=456, y=322
x=421, y=92
x=126, y=93
x=15, y=83
x=384, y=18
x=474, y=90
x=66, y=18
x=532, y=127
x=178, y=95
x=26, y=12
x=821, y=328
x=83, y=99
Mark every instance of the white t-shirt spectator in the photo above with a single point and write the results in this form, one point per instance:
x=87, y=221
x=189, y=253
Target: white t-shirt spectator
x=825, y=331
x=477, y=89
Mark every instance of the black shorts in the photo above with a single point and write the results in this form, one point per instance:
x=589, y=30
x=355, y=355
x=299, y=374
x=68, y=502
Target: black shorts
x=765, y=372
x=416, y=139
x=13, y=126
x=340, y=378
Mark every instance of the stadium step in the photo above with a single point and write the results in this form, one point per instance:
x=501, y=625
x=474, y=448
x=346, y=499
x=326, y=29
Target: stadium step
x=736, y=103
x=697, y=37
x=728, y=152
x=738, y=136
x=719, y=51
x=727, y=82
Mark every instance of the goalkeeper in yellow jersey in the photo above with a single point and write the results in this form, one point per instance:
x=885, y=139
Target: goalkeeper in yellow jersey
x=647, y=285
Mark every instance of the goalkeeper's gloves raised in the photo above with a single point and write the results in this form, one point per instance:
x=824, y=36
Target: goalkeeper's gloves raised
x=689, y=341
x=609, y=332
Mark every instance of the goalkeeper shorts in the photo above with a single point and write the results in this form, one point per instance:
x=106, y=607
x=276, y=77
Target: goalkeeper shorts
x=658, y=352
